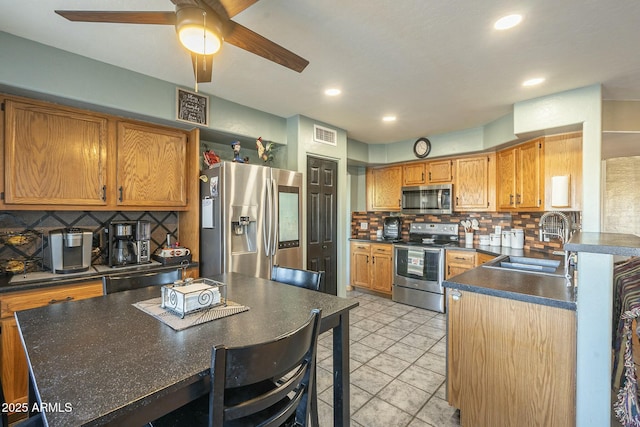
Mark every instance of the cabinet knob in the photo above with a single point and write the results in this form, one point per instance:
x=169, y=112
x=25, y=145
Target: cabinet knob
x=510, y=199
x=104, y=193
x=455, y=295
x=120, y=190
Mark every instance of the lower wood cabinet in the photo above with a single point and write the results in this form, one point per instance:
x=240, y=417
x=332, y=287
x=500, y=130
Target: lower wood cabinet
x=13, y=363
x=458, y=262
x=509, y=362
x=372, y=266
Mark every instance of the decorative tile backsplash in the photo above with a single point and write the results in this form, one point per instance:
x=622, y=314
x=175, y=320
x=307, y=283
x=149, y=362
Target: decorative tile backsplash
x=162, y=223
x=528, y=221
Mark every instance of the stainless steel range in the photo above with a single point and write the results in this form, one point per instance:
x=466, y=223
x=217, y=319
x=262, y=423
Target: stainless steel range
x=419, y=265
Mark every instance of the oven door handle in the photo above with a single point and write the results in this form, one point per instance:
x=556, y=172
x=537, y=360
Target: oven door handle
x=423, y=248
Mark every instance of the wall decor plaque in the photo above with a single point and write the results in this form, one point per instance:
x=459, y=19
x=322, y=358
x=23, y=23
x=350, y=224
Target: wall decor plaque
x=192, y=107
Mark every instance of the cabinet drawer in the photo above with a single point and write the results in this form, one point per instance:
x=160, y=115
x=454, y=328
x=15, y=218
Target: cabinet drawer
x=16, y=301
x=360, y=247
x=461, y=257
x=381, y=249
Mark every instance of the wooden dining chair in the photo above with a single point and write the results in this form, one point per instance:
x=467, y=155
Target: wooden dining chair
x=112, y=284
x=265, y=384
x=301, y=278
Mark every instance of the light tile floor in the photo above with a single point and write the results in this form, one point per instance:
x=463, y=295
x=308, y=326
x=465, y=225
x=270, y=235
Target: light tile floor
x=397, y=365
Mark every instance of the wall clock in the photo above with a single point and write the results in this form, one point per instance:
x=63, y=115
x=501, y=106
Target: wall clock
x=422, y=148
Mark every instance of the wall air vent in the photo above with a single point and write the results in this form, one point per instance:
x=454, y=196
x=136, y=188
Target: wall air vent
x=325, y=135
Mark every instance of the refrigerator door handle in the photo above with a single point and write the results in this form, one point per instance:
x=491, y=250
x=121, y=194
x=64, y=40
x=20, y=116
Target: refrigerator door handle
x=266, y=225
x=274, y=195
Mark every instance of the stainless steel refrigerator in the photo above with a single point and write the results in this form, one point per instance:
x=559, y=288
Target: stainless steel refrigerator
x=250, y=219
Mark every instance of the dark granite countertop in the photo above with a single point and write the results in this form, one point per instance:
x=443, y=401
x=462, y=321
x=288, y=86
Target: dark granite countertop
x=44, y=279
x=108, y=359
x=527, y=287
x=604, y=243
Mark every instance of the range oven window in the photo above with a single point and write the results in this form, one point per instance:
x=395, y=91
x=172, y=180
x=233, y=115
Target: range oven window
x=416, y=263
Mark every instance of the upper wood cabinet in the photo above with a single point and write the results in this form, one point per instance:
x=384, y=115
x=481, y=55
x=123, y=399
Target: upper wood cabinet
x=424, y=173
x=384, y=188
x=54, y=155
x=70, y=159
x=563, y=157
x=151, y=166
x=414, y=173
x=520, y=183
x=474, y=187
x=440, y=171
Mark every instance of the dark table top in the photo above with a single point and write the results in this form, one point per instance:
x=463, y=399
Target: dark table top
x=105, y=358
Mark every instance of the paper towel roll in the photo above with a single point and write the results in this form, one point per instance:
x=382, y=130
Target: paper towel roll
x=560, y=191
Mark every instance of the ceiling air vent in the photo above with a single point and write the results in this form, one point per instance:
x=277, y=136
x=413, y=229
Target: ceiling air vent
x=325, y=135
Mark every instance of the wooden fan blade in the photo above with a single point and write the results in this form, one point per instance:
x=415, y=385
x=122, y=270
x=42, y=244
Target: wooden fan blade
x=253, y=42
x=160, y=18
x=228, y=8
x=202, y=66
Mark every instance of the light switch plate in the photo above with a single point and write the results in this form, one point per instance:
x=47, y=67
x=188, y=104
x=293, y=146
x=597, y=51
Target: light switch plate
x=364, y=226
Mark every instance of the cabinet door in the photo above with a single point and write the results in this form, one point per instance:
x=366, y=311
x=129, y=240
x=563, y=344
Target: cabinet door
x=152, y=166
x=360, y=253
x=563, y=156
x=459, y=262
x=530, y=174
x=440, y=172
x=13, y=362
x=414, y=174
x=381, y=268
x=504, y=353
x=384, y=188
x=472, y=188
x=506, y=182
x=54, y=155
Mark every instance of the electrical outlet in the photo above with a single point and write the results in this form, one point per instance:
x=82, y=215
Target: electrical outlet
x=364, y=226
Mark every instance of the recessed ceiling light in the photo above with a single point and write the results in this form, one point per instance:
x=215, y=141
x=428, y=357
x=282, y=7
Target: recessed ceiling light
x=507, y=22
x=533, y=82
x=389, y=119
x=332, y=92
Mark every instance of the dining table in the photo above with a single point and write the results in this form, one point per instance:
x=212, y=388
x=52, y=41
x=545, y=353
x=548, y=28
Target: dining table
x=105, y=362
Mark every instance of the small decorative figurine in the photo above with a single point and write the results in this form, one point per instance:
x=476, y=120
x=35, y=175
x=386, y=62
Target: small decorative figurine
x=210, y=158
x=236, y=153
x=264, y=151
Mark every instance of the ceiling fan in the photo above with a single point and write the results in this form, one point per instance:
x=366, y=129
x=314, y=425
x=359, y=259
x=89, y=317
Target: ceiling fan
x=202, y=26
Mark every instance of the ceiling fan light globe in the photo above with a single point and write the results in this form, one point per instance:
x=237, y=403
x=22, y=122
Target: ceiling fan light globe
x=194, y=38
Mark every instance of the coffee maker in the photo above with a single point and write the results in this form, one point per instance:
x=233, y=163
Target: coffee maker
x=70, y=250
x=128, y=242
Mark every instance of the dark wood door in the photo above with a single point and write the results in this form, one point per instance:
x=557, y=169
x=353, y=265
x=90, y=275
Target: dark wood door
x=322, y=219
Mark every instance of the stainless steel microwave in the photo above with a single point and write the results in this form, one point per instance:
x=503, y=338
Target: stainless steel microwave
x=427, y=199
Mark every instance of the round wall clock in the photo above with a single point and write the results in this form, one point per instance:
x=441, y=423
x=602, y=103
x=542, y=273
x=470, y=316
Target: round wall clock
x=422, y=148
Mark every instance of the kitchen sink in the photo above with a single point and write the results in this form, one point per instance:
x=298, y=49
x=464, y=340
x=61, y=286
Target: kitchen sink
x=522, y=264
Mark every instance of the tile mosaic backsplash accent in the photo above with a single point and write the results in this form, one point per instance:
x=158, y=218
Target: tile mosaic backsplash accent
x=162, y=223
x=529, y=221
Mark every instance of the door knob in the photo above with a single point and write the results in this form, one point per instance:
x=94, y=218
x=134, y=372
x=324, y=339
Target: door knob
x=324, y=246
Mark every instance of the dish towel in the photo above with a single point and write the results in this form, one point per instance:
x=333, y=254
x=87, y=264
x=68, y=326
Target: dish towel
x=153, y=308
x=415, y=262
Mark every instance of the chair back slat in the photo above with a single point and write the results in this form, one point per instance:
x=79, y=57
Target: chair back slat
x=288, y=362
x=301, y=278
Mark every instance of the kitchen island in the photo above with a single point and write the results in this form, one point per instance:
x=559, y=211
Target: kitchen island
x=511, y=348
x=113, y=364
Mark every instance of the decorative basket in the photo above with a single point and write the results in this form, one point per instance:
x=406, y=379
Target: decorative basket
x=192, y=296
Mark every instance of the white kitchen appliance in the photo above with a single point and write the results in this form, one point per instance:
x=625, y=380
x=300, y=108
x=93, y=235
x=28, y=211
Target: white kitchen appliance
x=250, y=220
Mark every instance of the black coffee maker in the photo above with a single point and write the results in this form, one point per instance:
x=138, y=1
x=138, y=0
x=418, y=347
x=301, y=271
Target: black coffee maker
x=127, y=243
